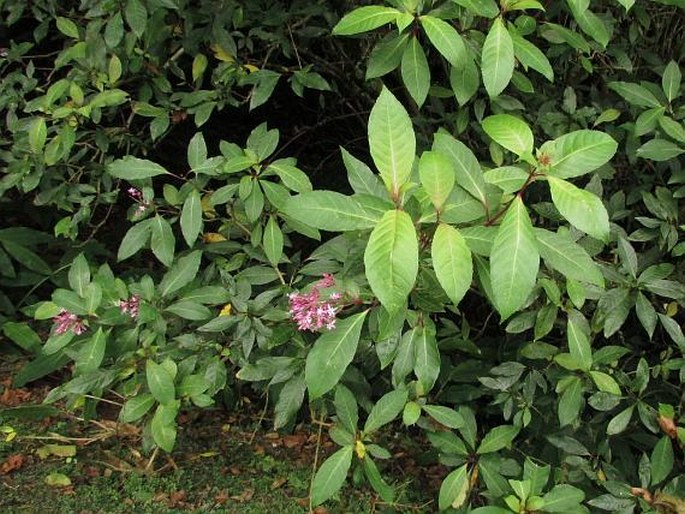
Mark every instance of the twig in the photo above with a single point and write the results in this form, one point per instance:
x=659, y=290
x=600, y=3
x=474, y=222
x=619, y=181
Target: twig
x=315, y=464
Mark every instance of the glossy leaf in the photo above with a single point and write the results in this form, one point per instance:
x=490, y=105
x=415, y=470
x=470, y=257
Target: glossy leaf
x=464, y=80
x=464, y=164
x=579, y=152
x=328, y=210
x=563, y=498
x=511, y=132
x=386, y=409
x=162, y=240
x=445, y=39
x=364, y=19
x=635, y=94
x=79, y=274
x=180, y=274
x=391, y=141
x=415, y=71
x=560, y=252
x=670, y=81
x=426, y=358
x=391, y=259
x=191, y=217
x=578, y=344
x=360, y=176
x=160, y=382
x=497, y=438
x=289, y=401
x=581, y=208
x=452, y=262
x=386, y=56
x=331, y=354
x=497, y=60
x=136, y=407
x=530, y=56
x=163, y=426
x=273, y=241
x=570, y=402
x=437, y=177
x=444, y=415
x=454, y=488
x=659, y=150
x=331, y=475
x=90, y=356
x=514, y=260
x=346, y=408
x=661, y=460
x=133, y=168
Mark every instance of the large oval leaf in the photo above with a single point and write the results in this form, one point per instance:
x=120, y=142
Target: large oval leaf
x=364, y=19
x=514, y=260
x=133, y=168
x=416, y=74
x=445, y=39
x=579, y=152
x=392, y=141
x=454, y=488
x=497, y=61
x=437, y=177
x=581, y=208
x=392, y=259
x=331, y=354
x=328, y=210
x=191, y=217
x=452, y=262
x=511, y=132
x=561, y=253
x=160, y=382
x=331, y=475
x=464, y=163
x=426, y=358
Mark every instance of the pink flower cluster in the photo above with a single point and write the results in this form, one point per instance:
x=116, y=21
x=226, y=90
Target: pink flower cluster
x=66, y=321
x=310, y=310
x=130, y=306
x=136, y=195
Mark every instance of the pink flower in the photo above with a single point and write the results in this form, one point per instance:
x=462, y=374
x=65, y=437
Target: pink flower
x=137, y=196
x=310, y=311
x=130, y=306
x=66, y=321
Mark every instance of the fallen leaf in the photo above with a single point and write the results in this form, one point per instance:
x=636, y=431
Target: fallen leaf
x=244, y=497
x=278, y=483
x=13, y=462
x=58, y=480
x=58, y=450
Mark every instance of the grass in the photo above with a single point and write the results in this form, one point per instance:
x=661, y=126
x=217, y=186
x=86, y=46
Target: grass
x=220, y=464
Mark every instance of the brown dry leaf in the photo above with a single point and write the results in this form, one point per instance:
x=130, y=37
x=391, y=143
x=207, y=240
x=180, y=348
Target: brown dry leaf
x=221, y=497
x=294, y=440
x=177, y=499
x=320, y=510
x=12, y=463
x=668, y=426
x=259, y=449
x=278, y=483
x=244, y=497
x=13, y=397
x=235, y=470
x=643, y=493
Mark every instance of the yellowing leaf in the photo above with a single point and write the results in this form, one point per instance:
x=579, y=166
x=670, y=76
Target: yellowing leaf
x=221, y=54
x=360, y=449
x=213, y=237
x=226, y=310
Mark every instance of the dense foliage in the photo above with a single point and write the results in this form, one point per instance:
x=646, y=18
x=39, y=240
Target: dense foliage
x=500, y=277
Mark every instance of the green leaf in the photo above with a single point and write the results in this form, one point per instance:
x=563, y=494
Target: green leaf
x=486, y=8
x=415, y=71
x=180, y=274
x=360, y=176
x=497, y=438
x=189, y=310
x=391, y=259
x=646, y=314
x=511, y=132
x=579, y=152
x=497, y=60
x=561, y=253
x=659, y=150
x=364, y=19
x=464, y=80
x=661, y=460
x=454, y=489
x=530, y=56
x=346, y=408
x=563, y=498
x=464, y=165
x=635, y=94
x=197, y=151
x=331, y=475
x=289, y=401
x=136, y=237
x=67, y=27
x=273, y=241
x=444, y=415
x=132, y=168
x=386, y=55
x=579, y=344
x=160, y=382
x=292, y=177
x=619, y=422
x=670, y=81
x=386, y=409
x=90, y=356
x=391, y=141
x=514, y=260
x=23, y=336
x=331, y=354
x=437, y=177
x=136, y=16
x=452, y=262
x=581, y=208
x=28, y=258
x=426, y=358
x=56, y=479
x=509, y=179
x=605, y=383
x=38, y=133
x=591, y=24
x=162, y=240
x=445, y=39
x=79, y=275
x=163, y=426
x=570, y=402
x=385, y=491
x=191, y=217
x=328, y=210
x=136, y=407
